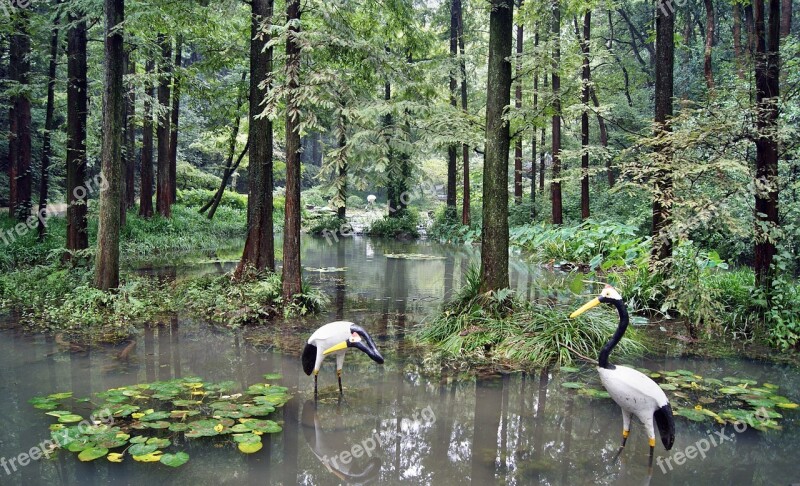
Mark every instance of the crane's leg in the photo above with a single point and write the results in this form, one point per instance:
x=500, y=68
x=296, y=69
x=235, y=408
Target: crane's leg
x=626, y=429
x=339, y=364
x=652, y=447
x=651, y=434
x=316, y=394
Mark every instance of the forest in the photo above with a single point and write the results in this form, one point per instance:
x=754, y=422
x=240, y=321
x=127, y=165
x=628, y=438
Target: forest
x=459, y=175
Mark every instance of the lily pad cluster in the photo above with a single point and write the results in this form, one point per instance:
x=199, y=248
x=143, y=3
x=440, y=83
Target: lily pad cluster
x=729, y=400
x=413, y=256
x=143, y=420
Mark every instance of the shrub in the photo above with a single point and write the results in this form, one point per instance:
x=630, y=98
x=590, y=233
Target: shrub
x=402, y=226
x=188, y=176
x=327, y=225
x=356, y=201
x=199, y=197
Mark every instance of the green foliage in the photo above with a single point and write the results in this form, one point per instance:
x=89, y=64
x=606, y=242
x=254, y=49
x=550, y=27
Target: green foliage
x=331, y=224
x=595, y=245
x=190, y=177
x=500, y=327
x=140, y=420
x=404, y=226
x=196, y=198
x=255, y=298
x=356, y=201
x=447, y=228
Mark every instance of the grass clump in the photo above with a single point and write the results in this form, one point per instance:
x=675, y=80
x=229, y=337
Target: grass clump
x=499, y=327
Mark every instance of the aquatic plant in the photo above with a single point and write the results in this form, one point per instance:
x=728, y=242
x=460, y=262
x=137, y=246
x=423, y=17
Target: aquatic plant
x=143, y=420
x=500, y=327
x=728, y=400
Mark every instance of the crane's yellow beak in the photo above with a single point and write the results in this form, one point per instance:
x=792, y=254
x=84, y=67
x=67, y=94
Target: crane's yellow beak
x=592, y=303
x=337, y=347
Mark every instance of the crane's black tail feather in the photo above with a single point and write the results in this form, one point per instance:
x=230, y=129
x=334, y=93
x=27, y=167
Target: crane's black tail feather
x=666, y=425
x=309, y=358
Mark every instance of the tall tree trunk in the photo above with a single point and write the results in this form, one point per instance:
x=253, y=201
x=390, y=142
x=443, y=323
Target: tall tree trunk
x=555, y=185
x=49, y=126
x=20, y=176
x=748, y=22
x=585, y=89
x=662, y=195
x=130, y=139
x=518, y=106
x=291, y=227
x=542, y=165
x=534, y=153
x=229, y=170
x=452, y=157
x=465, y=205
x=175, y=112
x=494, y=241
x=77, y=236
x=786, y=18
x=341, y=177
x=737, y=39
x=164, y=184
x=259, y=249
x=106, y=271
x=146, y=184
x=767, y=91
x=707, y=68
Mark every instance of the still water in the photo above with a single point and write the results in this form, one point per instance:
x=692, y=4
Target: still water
x=407, y=421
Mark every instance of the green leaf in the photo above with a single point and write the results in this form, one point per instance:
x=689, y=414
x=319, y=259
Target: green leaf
x=69, y=418
x=142, y=449
x=250, y=447
x=572, y=384
x=93, y=453
x=175, y=460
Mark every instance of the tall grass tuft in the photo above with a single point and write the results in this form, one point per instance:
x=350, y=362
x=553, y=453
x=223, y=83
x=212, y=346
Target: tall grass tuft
x=500, y=327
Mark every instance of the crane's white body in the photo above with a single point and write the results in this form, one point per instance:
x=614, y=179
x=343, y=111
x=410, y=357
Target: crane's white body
x=635, y=394
x=328, y=336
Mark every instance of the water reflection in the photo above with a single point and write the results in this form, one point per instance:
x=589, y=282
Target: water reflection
x=514, y=429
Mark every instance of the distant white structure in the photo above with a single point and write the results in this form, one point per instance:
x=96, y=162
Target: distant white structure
x=371, y=199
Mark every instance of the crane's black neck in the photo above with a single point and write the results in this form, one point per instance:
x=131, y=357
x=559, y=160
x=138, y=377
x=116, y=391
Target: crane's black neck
x=623, y=325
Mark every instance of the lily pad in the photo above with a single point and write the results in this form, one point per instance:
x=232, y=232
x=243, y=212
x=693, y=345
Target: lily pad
x=175, y=460
x=92, y=453
x=142, y=449
x=572, y=384
x=250, y=447
x=69, y=418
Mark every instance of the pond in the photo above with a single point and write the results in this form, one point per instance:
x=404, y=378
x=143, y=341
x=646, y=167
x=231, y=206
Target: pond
x=406, y=422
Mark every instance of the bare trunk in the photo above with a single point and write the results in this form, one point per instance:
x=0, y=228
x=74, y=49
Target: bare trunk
x=49, y=126
x=106, y=271
x=77, y=237
x=465, y=209
x=175, y=115
x=494, y=241
x=786, y=18
x=20, y=176
x=737, y=39
x=585, y=88
x=452, y=158
x=534, y=153
x=518, y=105
x=291, y=228
x=146, y=184
x=259, y=249
x=164, y=184
x=130, y=140
x=555, y=185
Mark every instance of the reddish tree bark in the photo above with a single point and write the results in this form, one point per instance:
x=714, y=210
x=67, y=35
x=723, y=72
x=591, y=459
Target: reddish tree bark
x=259, y=249
x=786, y=18
x=465, y=205
x=130, y=141
x=291, y=228
x=20, y=176
x=452, y=158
